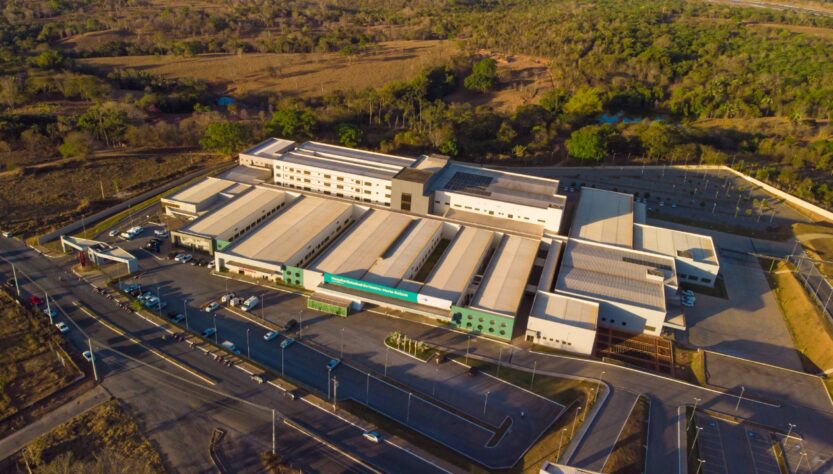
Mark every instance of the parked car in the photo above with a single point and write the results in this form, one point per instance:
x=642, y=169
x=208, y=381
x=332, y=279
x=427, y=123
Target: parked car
x=211, y=307
x=183, y=257
x=131, y=287
x=51, y=312
x=208, y=332
x=236, y=301
x=88, y=356
x=229, y=346
x=290, y=325
x=332, y=364
x=172, y=255
x=227, y=297
x=35, y=300
x=687, y=293
x=160, y=233
x=7, y=234
x=687, y=303
x=63, y=327
x=270, y=336
x=373, y=436
x=210, y=265
x=257, y=379
x=287, y=342
x=177, y=318
x=113, y=233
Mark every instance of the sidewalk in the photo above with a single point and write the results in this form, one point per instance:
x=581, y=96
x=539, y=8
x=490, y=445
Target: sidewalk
x=16, y=441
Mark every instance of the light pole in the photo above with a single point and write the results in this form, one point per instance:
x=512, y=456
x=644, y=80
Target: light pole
x=341, y=354
x=328, y=382
x=598, y=386
x=408, y=412
x=16, y=285
x=696, y=400
x=185, y=310
x=387, y=350
x=485, y=402
x=694, y=443
x=301, y=324
x=800, y=460
x=367, y=391
x=335, y=393
x=263, y=306
x=92, y=358
x=573, y=430
x=499, y=358
x=248, y=347
x=282, y=358
x=789, y=432
x=158, y=301
x=700, y=464
x=216, y=336
x=434, y=385
x=273, y=431
x=560, y=443
x=48, y=308
x=534, y=366
x=742, y=389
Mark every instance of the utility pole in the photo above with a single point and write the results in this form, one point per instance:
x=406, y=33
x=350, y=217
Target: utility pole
x=742, y=389
x=92, y=358
x=273, y=431
x=534, y=366
x=16, y=285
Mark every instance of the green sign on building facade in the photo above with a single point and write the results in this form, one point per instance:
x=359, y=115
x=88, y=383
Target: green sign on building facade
x=374, y=288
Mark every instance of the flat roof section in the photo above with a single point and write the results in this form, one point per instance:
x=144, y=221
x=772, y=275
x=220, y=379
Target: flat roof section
x=271, y=148
x=369, y=157
x=247, y=175
x=565, y=310
x=238, y=210
x=390, y=270
x=354, y=253
x=617, y=274
x=505, y=280
x=499, y=185
x=204, y=190
x=674, y=243
x=604, y=216
x=323, y=163
x=453, y=273
x=289, y=231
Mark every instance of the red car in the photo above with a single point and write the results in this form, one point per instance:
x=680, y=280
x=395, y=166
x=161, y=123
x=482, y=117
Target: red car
x=35, y=300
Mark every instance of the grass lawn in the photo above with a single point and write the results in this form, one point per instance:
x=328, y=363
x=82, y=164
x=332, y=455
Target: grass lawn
x=100, y=440
x=29, y=357
x=811, y=331
x=690, y=365
x=628, y=456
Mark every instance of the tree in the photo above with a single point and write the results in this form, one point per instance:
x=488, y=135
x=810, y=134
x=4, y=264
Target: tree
x=482, y=77
x=106, y=122
x=554, y=100
x=589, y=143
x=76, y=144
x=225, y=137
x=49, y=59
x=11, y=92
x=657, y=139
x=506, y=133
x=349, y=134
x=587, y=101
x=291, y=122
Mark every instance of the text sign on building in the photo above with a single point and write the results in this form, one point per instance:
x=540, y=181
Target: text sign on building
x=370, y=287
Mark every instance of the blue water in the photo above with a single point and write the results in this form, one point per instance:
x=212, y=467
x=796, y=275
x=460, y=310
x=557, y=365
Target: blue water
x=620, y=117
x=225, y=101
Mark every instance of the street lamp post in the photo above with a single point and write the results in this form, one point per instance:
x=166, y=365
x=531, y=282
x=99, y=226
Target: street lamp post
x=468, y=344
x=789, y=432
x=434, y=385
x=185, y=310
x=800, y=460
x=335, y=393
x=273, y=431
x=408, y=412
x=560, y=443
x=694, y=443
x=16, y=285
x=248, y=347
x=485, y=402
x=282, y=358
x=328, y=382
x=696, y=400
x=367, y=391
x=742, y=389
x=573, y=430
x=263, y=306
x=499, y=358
x=92, y=358
x=48, y=308
x=387, y=350
x=216, y=336
x=534, y=366
x=598, y=386
x=301, y=325
x=700, y=464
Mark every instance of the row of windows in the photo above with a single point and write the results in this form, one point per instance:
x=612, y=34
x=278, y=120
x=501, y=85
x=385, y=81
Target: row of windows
x=694, y=278
x=485, y=211
x=491, y=330
x=256, y=222
x=613, y=321
x=491, y=321
x=328, y=176
x=567, y=343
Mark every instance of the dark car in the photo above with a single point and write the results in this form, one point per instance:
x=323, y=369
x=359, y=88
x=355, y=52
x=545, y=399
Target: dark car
x=473, y=371
x=10, y=283
x=290, y=325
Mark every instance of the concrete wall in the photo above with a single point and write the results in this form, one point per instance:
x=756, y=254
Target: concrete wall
x=256, y=161
x=549, y=217
x=689, y=271
x=193, y=241
x=420, y=203
x=560, y=335
x=636, y=319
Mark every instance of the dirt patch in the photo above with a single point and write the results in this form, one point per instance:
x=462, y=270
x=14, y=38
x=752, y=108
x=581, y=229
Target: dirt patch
x=96, y=441
x=303, y=75
x=30, y=357
x=816, y=31
x=37, y=199
x=628, y=456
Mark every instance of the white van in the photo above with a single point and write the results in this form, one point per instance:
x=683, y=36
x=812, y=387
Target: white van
x=250, y=303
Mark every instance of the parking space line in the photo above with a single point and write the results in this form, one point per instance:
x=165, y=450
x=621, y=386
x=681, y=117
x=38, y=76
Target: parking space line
x=149, y=349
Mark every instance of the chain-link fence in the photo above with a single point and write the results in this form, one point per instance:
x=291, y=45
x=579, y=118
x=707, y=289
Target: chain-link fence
x=813, y=280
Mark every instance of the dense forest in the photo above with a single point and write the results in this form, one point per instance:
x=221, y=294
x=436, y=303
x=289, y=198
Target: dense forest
x=697, y=82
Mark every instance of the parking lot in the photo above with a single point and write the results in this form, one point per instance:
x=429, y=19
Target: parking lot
x=729, y=447
x=441, y=401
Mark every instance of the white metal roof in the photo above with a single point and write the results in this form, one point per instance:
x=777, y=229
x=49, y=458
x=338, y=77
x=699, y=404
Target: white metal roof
x=458, y=264
x=604, y=216
x=564, y=309
x=204, y=190
x=354, y=154
x=498, y=185
x=360, y=248
x=270, y=148
x=238, y=210
x=678, y=244
x=389, y=270
x=615, y=273
x=324, y=163
x=289, y=231
x=505, y=280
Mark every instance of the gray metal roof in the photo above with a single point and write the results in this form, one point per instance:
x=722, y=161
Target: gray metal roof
x=362, y=246
x=604, y=216
x=564, y=309
x=390, y=269
x=355, y=155
x=500, y=186
x=675, y=243
x=206, y=189
x=614, y=273
x=324, y=163
x=458, y=264
x=270, y=148
x=505, y=280
x=229, y=216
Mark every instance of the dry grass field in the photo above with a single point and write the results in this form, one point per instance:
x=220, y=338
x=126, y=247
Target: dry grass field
x=312, y=74
x=31, y=369
x=99, y=440
x=825, y=33
x=35, y=199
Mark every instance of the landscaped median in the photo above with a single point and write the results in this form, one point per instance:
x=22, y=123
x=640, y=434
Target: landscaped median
x=411, y=347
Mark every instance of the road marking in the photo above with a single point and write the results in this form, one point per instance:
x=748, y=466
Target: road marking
x=149, y=349
x=331, y=446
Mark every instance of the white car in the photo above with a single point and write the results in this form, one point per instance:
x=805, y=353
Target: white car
x=88, y=356
x=250, y=303
x=7, y=234
x=63, y=328
x=270, y=336
x=211, y=307
x=210, y=265
x=183, y=257
x=160, y=233
x=227, y=297
x=113, y=233
x=372, y=436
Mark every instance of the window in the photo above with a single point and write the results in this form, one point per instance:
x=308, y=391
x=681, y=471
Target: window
x=705, y=280
x=479, y=327
x=406, y=201
x=339, y=178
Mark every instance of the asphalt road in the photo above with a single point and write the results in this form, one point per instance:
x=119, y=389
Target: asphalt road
x=179, y=410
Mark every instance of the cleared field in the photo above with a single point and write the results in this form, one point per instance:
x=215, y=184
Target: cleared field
x=819, y=32
x=312, y=74
x=100, y=440
x=36, y=199
x=29, y=357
